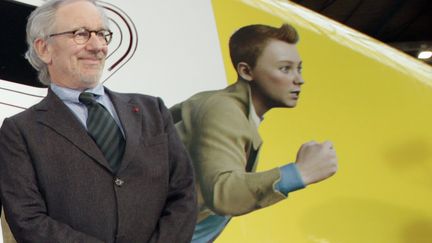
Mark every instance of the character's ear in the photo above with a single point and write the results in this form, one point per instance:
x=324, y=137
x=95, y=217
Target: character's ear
x=244, y=71
x=43, y=50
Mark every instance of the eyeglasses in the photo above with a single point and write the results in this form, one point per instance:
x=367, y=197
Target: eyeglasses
x=82, y=35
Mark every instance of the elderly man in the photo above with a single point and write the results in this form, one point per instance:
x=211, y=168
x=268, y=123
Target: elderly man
x=220, y=131
x=87, y=164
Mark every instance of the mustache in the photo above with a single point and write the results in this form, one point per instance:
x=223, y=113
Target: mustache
x=97, y=55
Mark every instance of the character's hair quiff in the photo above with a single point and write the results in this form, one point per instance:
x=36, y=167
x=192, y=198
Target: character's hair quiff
x=40, y=25
x=247, y=43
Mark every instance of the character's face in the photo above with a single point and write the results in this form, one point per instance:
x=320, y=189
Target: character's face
x=276, y=78
x=72, y=65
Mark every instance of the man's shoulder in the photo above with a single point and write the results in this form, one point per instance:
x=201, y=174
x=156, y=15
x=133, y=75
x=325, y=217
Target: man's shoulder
x=26, y=113
x=131, y=95
x=136, y=98
x=24, y=119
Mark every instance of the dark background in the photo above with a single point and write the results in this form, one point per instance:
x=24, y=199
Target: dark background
x=404, y=24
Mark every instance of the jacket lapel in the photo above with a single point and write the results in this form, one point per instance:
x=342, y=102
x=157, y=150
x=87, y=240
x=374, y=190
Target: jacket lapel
x=244, y=89
x=131, y=119
x=52, y=112
x=245, y=96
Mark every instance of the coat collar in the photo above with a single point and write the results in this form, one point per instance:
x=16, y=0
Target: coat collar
x=52, y=112
x=130, y=117
x=241, y=90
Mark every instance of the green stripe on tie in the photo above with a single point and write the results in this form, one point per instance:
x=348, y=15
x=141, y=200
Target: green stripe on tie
x=104, y=130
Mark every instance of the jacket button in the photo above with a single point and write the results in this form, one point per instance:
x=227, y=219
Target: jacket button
x=118, y=182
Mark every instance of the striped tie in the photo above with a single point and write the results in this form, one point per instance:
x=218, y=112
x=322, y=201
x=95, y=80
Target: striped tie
x=104, y=130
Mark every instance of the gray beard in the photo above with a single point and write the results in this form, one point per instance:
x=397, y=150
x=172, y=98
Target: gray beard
x=90, y=80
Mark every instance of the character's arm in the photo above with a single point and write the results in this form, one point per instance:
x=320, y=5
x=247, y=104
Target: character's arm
x=218, y=146
x=218, y=143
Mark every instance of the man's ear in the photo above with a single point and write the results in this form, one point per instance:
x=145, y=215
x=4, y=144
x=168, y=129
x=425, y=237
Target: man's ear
x=43, y=50
x=244, y=71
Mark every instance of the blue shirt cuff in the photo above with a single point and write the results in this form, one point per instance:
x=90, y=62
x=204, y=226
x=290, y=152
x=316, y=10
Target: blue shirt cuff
x=290, y=179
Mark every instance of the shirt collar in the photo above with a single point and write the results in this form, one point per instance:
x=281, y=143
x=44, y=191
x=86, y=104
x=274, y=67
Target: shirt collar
x=254, y=116
x=71, y=95
x=98, y=90
x=252, y=112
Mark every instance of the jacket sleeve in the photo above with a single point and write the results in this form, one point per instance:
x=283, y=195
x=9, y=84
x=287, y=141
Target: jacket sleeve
x=178, y=218
x=24, y=205
x=220, y=138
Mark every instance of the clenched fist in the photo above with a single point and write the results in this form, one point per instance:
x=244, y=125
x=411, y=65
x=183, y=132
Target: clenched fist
x=316, y=161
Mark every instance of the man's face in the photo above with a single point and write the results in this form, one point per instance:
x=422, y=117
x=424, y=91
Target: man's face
x=72, y=65
x=276, y=77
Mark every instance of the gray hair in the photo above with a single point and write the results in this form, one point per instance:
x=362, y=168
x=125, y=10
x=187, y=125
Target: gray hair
x=40, y=25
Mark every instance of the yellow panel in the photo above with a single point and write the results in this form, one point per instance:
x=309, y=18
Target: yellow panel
x=375, y=104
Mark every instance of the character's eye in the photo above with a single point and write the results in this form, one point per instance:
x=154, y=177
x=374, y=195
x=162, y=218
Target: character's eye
x=285, y=69
x=300, y=69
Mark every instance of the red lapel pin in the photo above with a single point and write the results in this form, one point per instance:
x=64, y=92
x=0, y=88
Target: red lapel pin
x=135, y=109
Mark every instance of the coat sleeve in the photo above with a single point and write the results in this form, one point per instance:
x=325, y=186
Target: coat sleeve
x=220, y=138
x=23, y=202
x=178, y=218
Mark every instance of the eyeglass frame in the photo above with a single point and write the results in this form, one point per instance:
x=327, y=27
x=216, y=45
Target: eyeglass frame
x=74, y=33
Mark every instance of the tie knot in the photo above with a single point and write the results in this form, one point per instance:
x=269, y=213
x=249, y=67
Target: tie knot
x=87, y=98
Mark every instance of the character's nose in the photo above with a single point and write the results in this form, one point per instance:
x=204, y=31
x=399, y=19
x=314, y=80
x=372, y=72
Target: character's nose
x=298, y=79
